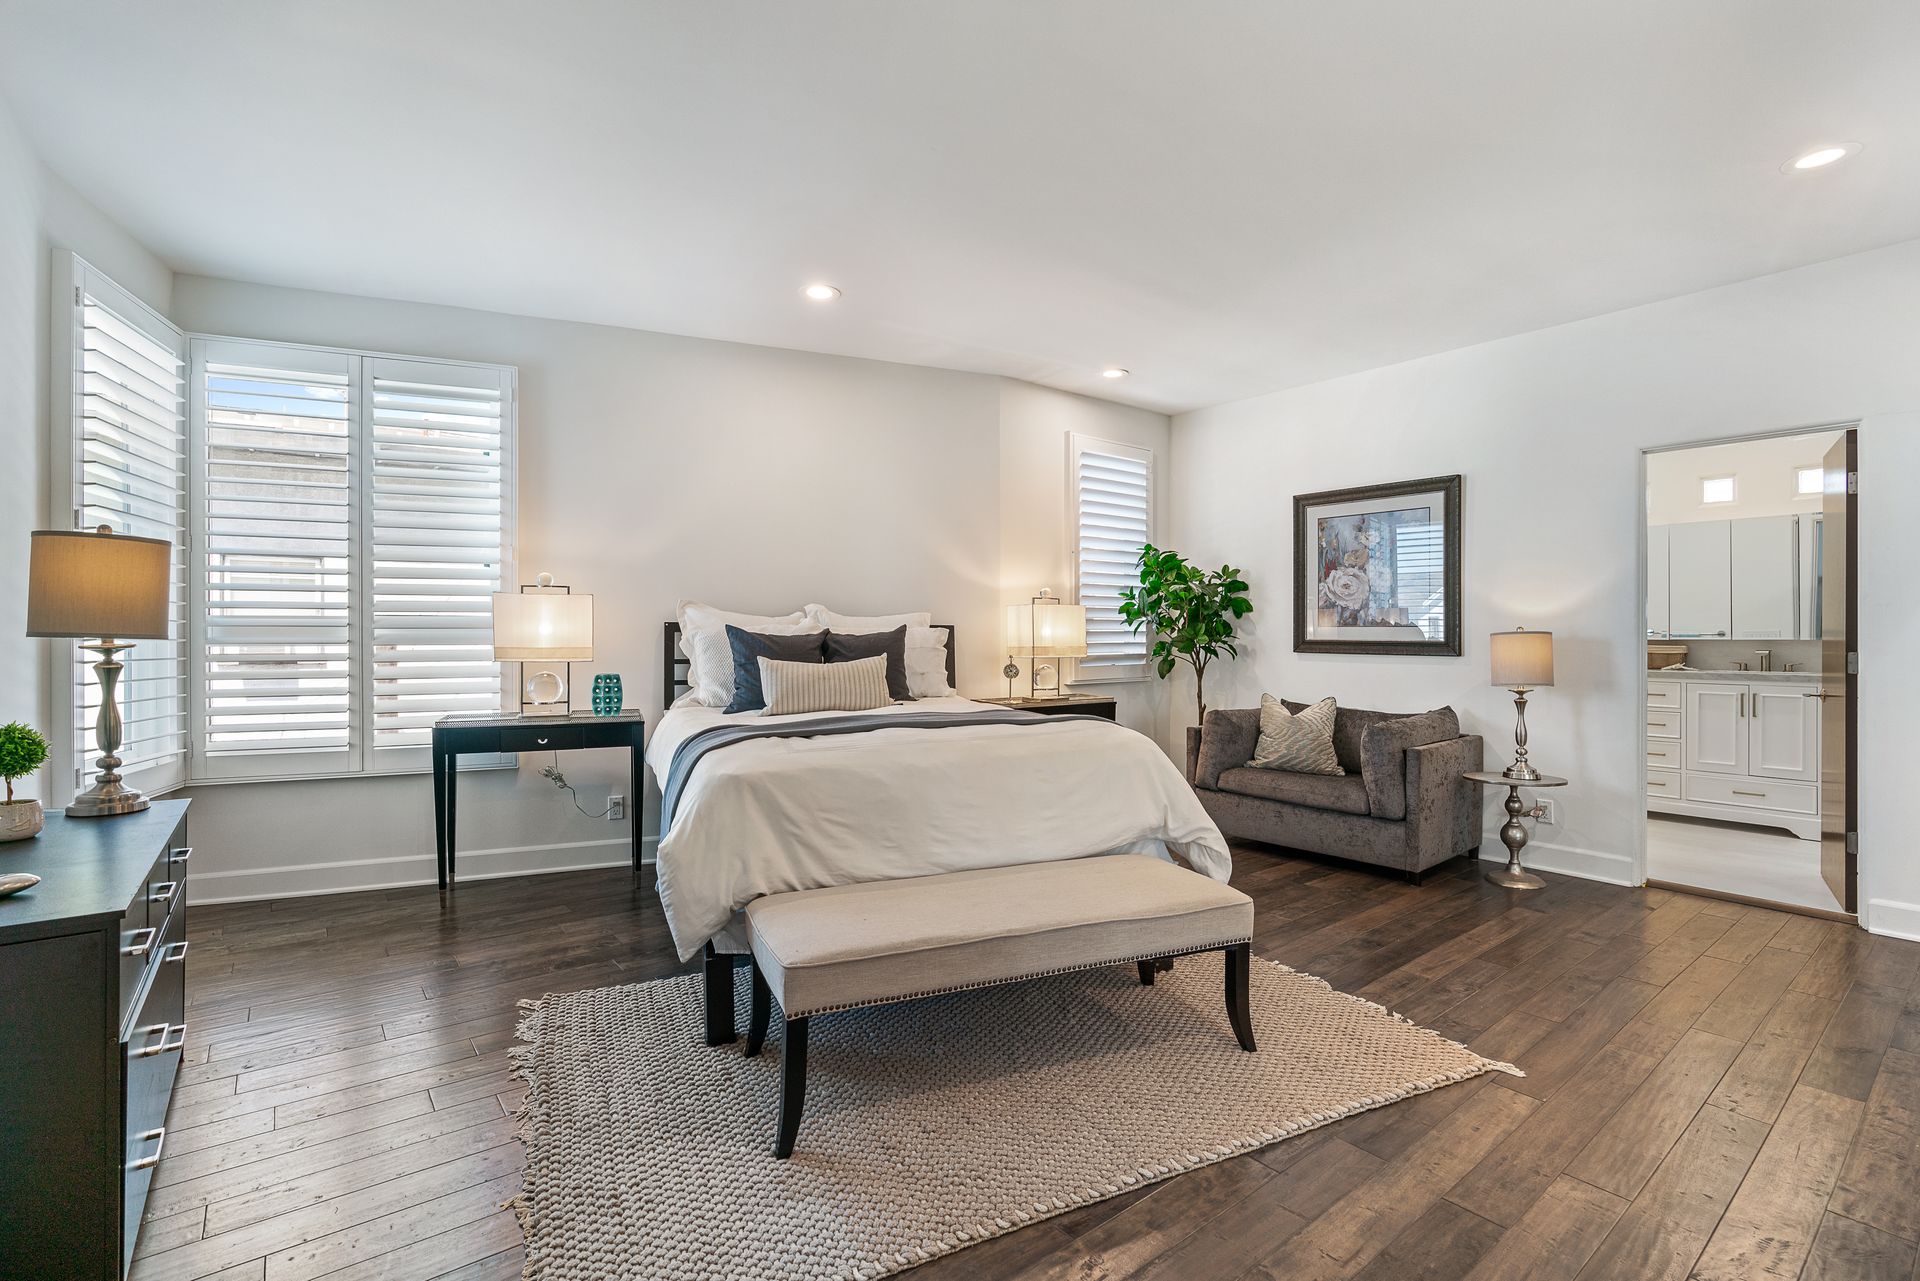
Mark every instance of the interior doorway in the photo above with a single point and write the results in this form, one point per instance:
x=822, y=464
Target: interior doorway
x=1751, y=689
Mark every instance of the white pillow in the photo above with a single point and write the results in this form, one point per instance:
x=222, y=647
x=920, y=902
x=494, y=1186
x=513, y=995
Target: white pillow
x=927, y=663
x=860, y=626
x=856, y=686
x=703, y=636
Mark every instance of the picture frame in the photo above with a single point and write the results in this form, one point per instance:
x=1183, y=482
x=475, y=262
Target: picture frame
x=1376, y=569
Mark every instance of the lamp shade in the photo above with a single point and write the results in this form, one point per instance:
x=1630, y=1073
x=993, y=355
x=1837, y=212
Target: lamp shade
x=1521, y=659
x=1047, y=630
x=537, y=626
x=101, y=584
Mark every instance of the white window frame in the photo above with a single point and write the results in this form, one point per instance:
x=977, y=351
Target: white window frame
x=73, y=278
x=1819, y=481
x=361, y=759
x=1084, y=672
x=1733, y=491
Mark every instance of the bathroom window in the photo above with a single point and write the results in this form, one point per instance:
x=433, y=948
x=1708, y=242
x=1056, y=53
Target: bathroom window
x=1716, y=489
x=1809, y=482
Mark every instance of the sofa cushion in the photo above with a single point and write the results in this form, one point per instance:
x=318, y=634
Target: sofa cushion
x=1301, y=743
x=1383, y=755
x=1349, y=724
x=1346, y=793
x=1227, y=740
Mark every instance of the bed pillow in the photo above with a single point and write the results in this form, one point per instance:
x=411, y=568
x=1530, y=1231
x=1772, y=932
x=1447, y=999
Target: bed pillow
x=1299, y=743
x=927, y=663
x=746, y=648
x=703, y=636
x=857, y=686
x=844, y=647
x=821, y=616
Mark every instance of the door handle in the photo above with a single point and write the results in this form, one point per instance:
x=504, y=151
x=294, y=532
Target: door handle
x=1743, y=705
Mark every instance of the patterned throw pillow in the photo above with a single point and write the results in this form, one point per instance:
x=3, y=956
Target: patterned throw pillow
x=857, y=686
x=1299, y=743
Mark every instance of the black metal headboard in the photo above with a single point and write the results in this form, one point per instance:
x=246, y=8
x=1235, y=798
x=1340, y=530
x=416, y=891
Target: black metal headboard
x=674, y=675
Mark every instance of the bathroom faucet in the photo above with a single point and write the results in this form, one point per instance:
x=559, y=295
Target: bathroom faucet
x=1766, y=659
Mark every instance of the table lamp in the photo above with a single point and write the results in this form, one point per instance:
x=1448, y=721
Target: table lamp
x=1522, y=661
x=113, y=587
x=1044, y=627
x=543, y=623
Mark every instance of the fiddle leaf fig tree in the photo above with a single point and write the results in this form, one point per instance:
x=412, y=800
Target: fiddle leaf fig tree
x=1190, y=610
x=22, y=751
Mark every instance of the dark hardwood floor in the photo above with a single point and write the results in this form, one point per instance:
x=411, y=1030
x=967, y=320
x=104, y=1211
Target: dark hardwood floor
x=1712, y=1089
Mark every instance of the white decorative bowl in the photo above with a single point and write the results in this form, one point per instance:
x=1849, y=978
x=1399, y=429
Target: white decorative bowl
x=21, y=819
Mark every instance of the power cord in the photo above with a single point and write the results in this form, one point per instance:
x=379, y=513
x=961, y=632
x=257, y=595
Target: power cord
x=553, y=775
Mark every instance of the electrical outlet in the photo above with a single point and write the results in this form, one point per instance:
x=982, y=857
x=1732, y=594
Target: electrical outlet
x=616, y=807
x=1546, y=811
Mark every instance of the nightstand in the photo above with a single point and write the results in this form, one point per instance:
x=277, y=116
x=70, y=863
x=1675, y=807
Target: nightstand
x=1065, y=705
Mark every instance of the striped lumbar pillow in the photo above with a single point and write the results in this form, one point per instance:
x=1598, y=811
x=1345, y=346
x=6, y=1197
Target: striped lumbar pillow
x=1301, y=744
x=857, y=686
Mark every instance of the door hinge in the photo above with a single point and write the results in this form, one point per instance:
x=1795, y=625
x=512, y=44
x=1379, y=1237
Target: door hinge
x=1853, y=843
x=78, y=297
x=1853, y=482
x=1853, y=662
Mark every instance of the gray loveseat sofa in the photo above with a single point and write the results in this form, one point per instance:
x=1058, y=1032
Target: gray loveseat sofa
x=1402, y=804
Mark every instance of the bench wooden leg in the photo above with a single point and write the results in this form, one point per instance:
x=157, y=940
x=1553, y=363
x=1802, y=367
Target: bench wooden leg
x=719, y=979
x=761, y=1012
x=793, y=1085
x=1239, y=1013
x=1146, y=973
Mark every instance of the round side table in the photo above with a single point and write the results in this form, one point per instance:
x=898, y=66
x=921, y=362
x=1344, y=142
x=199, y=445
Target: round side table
x=1513, y=834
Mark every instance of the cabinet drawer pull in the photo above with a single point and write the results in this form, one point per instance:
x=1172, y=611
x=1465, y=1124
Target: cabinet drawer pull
x=159, y=1138
x=1738, y=792
x=144, y=946
x=541, y=741
x=175, y=951
x=1651, y=752
x=164, y=892
x=172, y=1037
x=182, y=854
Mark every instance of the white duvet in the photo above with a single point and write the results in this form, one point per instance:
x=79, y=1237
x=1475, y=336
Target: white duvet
x=770, y=815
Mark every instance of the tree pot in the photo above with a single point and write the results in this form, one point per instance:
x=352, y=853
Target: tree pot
x=21, y=819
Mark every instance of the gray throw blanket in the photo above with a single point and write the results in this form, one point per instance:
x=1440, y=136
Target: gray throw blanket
x=694, y=750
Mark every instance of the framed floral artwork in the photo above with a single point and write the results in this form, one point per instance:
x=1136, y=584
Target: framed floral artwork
x=1376, y=569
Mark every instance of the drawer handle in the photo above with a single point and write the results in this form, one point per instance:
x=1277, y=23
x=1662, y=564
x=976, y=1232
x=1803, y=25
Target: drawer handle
x=171, y=1038
x=1656, y=782
x=1738, y=792
x=1651, y=752
x=144, y=946
x=175, y=951
x=182, y=854
x=159, y=1138
x=164, y=892
x=541, y=741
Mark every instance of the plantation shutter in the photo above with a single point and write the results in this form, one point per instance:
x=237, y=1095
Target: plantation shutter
x=275, y=520
x=126, y=461
x=439, y=526
x=1113, y=518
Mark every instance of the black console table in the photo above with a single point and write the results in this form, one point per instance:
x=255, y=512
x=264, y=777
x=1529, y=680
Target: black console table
x=93, y=1000
x=457, y=736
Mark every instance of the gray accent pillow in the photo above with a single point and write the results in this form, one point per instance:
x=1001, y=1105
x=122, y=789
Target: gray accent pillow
x=1383, y=755
x=750, y=647
x=1301, y=743
x=856, y=686
x=844, y=647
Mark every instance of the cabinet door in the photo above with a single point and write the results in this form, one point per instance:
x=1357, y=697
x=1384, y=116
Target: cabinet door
x=1699, y=566
x=1717, y=737
x=1659, y=622
x=1784, y=733
x=1765, y=577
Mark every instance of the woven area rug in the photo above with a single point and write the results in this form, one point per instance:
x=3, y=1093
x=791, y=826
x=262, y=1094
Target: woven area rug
x=930, y=1125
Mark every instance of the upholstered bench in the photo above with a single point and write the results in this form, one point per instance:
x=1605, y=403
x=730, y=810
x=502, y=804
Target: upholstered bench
x=847, y=946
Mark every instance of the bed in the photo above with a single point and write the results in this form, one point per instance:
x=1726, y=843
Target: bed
x=957, y=784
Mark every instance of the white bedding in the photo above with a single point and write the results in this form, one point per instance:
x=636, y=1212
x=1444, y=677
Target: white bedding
x=771, y=815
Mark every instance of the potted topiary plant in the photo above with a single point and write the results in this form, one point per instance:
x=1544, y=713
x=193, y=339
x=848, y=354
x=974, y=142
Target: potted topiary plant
x=1192, y=612
x=22, y=751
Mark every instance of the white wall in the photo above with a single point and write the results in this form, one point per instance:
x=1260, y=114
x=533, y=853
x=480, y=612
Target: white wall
x=654, y=467
x=1547, y=429
x=1763, y=472
x=38, y=213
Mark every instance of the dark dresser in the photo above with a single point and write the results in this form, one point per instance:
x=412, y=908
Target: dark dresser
x=93, y=998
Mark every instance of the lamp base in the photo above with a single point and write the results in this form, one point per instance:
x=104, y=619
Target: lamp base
x=105, y=799
x=1521, y=771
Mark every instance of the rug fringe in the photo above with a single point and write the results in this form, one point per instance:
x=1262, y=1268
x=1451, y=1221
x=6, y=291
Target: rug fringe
x=520, y=1062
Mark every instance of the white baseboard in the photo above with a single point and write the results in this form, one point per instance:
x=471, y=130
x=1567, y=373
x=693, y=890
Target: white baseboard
x=254, y=884
x=1568, y=860
x=1893, y=919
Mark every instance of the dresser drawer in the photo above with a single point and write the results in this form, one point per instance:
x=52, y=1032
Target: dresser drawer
x=1663, y=722
x=1756, y=793
x=1663, y=782
x=152, y=1054
x=1664, y=695
x=539, y=738
x=1663, y=753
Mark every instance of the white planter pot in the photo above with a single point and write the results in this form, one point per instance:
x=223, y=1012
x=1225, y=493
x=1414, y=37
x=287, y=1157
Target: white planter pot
x=21, y=819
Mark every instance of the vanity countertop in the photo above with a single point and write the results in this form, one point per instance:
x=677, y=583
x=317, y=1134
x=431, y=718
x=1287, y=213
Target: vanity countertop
x=1692, y=674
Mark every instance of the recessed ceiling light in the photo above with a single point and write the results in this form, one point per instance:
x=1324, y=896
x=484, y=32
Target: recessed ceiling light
x=1821, y=157
x=821, y=293
x=1113, y=371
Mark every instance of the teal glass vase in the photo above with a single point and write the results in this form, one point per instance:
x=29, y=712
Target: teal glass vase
x=606, y=694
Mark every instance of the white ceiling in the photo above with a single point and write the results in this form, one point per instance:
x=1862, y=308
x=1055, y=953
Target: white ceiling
x=1226, y=198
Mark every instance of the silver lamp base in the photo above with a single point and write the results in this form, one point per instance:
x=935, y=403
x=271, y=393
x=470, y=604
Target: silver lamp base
x=105, y=799
x=109, y=795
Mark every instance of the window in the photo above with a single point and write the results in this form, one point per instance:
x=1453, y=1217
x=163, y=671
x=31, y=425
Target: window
x=120, y=369
x=351, y=518
x=1112, y=495
x=1809, y=482
x=1716, y=489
